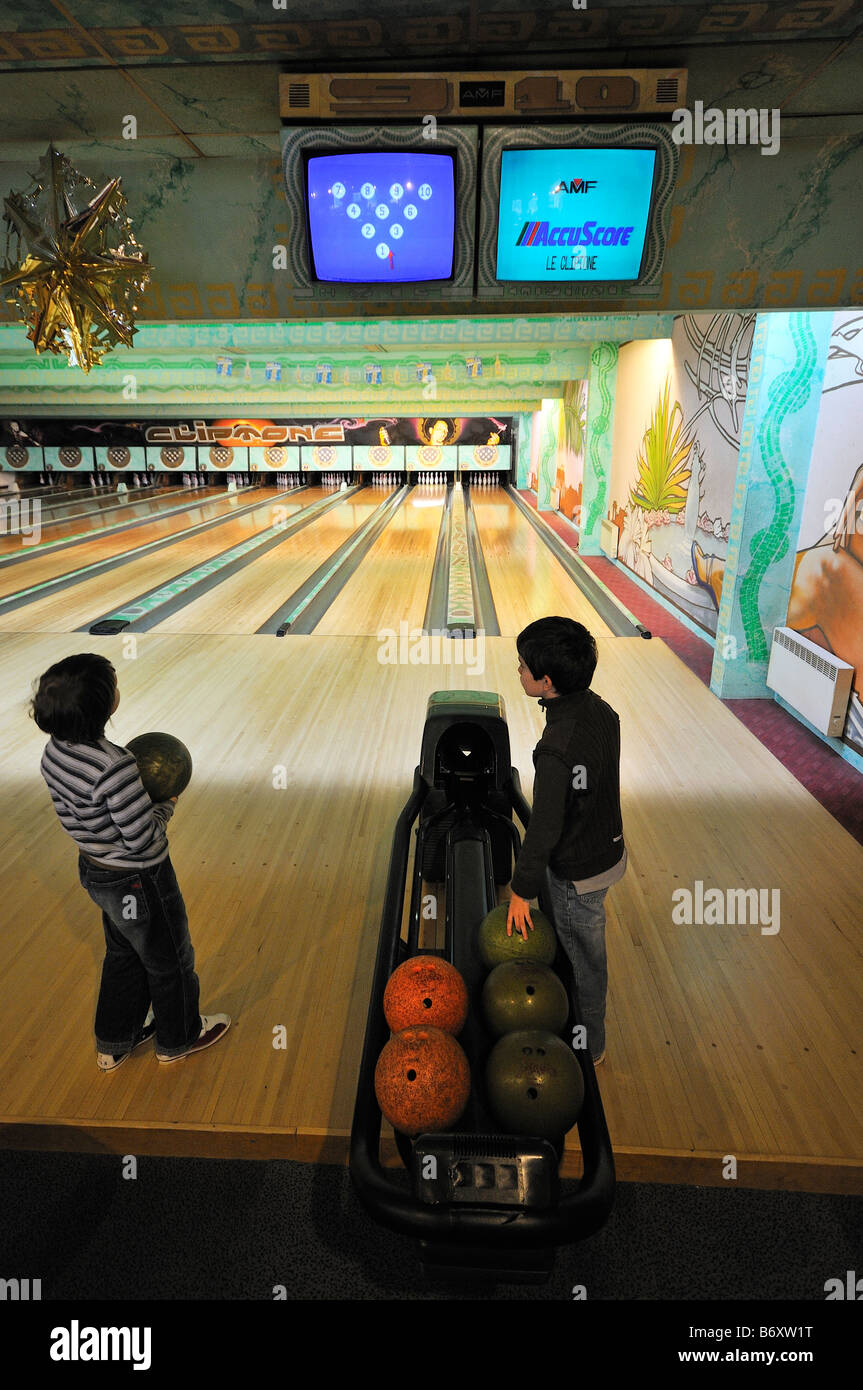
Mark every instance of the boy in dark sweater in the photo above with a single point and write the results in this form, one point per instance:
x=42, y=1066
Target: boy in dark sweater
x=124, y=866
x=575, y=827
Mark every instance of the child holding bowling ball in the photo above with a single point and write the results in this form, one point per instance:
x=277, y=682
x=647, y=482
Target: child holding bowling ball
x=575, y=829
x=125, y=867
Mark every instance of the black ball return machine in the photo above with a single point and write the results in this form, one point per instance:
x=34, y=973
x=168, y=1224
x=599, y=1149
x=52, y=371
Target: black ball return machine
x=479, y=1202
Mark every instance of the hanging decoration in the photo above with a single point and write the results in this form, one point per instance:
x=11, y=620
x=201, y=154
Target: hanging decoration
x=77, y=271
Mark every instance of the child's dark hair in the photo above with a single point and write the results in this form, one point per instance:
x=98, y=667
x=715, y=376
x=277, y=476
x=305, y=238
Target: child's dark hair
x=561, y=649
x=74, y=698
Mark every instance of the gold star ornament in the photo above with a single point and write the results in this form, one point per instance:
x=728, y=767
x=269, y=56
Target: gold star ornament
x=77, y=272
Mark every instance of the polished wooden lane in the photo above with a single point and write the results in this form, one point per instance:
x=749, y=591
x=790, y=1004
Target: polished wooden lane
x=241, y=603
x=391, y=586
x=91, y=597
x=99, y=510
x=104, y=544
x=526, y=580
x=722, y=1040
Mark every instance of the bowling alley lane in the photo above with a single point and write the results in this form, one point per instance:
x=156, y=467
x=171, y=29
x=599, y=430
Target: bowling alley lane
x=524, y=575
x=242, y=602
x=84, y=602
x=92, y=514
x=66, y=503
x=391, y=585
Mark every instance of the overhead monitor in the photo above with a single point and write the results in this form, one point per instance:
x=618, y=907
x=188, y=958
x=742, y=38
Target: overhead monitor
x=574, y=214
x=380, y=213
x=381, y=217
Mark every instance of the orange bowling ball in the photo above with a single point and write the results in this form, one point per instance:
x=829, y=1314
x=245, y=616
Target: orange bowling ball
x=426, y=990
x=422, y=1081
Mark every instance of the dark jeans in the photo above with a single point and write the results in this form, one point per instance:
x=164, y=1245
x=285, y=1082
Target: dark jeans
x=148, y=957
x=580, y=921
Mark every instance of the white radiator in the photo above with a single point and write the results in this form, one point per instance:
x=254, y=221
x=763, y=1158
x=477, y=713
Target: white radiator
x=609, y=536
x=813, y=681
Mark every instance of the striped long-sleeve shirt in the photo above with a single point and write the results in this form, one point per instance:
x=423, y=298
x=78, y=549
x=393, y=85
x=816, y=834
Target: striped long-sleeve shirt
x=101, y=802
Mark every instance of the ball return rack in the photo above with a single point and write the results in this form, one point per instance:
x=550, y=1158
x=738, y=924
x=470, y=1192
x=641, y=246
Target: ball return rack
x=480, y=1203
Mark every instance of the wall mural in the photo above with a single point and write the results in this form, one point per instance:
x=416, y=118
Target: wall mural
x=672, y=492
x=570, y=474
x=826, y=601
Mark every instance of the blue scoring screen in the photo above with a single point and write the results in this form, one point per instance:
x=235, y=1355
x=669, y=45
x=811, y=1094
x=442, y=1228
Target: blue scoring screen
x=377, y=217
x=573, y=214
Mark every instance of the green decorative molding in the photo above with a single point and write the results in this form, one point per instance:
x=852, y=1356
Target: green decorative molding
x=786, y=396
x=786, y=373
x=174, y=366
x=601, y=383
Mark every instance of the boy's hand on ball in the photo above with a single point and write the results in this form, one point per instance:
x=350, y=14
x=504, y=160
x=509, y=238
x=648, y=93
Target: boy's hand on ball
x=518, y=916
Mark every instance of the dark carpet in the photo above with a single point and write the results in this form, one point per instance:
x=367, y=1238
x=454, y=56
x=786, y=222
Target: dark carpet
x=218, y=1229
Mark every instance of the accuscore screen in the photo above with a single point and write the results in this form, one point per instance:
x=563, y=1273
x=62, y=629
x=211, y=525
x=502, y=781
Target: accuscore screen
x=380, y=217
x=573, y=214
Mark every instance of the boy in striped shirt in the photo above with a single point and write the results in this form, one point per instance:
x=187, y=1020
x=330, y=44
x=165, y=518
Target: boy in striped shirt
x=125, y=867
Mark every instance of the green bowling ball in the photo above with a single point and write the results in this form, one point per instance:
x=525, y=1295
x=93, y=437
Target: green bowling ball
x=495, y=946
x=534, y=1084
x=523, y=994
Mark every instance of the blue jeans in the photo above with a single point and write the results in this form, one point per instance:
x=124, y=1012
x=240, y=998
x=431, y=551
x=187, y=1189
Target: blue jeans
x=580, y=922
x=148, y=957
